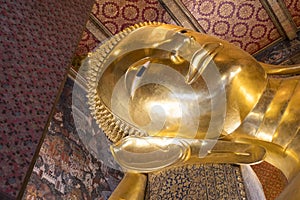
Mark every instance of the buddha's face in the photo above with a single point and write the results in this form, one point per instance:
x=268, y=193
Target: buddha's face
x=166, y=80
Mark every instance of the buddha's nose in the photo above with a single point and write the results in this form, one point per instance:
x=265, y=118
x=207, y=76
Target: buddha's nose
x=201, y=59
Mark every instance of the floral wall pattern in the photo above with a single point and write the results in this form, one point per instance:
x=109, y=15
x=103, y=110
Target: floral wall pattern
x=243, y=23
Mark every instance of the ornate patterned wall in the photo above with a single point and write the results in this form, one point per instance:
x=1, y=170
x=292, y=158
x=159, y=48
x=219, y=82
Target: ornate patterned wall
x=117, y=15
x=37, y=42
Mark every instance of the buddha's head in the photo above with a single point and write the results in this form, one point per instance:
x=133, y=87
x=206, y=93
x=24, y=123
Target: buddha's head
x=166, y=80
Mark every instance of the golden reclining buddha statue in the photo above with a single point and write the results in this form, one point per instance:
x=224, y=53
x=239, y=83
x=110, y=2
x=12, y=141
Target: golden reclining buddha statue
x=167, y=96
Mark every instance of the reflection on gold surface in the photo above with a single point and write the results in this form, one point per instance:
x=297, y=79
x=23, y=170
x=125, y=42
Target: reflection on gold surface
x=129, y=50
x=164, y=80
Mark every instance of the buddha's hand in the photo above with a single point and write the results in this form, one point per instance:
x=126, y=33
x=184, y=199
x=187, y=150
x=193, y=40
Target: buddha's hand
x=146, y=154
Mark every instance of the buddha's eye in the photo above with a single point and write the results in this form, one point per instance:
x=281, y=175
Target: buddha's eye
x=183, y=31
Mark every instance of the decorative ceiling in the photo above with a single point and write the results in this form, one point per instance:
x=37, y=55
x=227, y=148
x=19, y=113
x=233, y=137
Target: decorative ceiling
x=116, y=15
x=243, y=23
x=251, y=25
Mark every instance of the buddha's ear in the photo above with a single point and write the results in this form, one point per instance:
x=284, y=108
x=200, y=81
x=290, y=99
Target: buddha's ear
x=201, y=59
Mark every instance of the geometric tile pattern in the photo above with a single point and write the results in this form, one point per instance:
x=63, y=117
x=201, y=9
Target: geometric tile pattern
x=243, y=23
x=117, y=15
x=37, y=42
x=294, y=7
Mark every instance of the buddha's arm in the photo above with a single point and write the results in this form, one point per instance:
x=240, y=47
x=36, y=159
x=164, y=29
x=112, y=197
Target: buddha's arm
x=281, y=69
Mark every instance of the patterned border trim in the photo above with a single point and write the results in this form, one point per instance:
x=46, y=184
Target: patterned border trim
x=281, y=17
x=99, y=25
x=181, y=15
